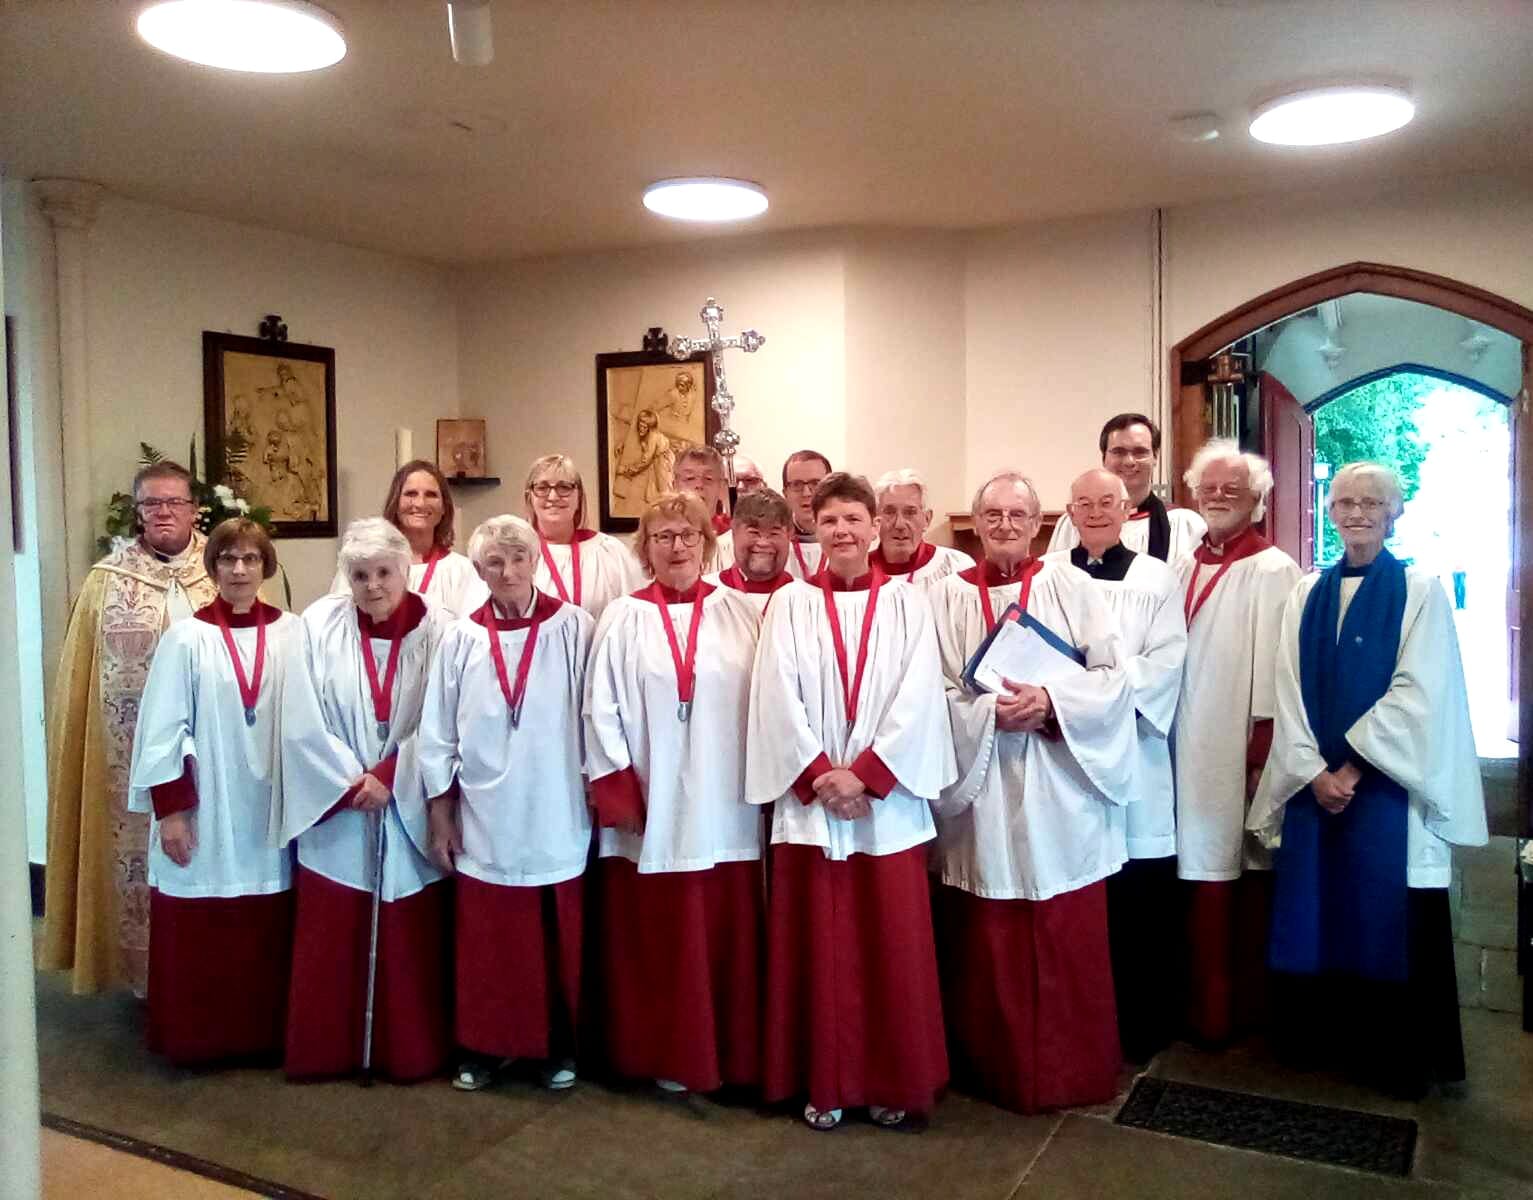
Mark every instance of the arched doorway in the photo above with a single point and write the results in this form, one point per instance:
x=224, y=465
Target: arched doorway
x=1206, y=383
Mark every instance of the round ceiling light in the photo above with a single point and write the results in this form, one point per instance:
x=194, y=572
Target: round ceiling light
x=1328, y=116
x=705, y=199
x=273, y=37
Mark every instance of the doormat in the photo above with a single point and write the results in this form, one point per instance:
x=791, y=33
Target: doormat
x=1338, y=1137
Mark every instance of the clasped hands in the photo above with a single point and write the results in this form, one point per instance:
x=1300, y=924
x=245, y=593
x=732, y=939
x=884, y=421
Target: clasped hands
x=1023, y=708
x=1334, y=789
x=843, y=794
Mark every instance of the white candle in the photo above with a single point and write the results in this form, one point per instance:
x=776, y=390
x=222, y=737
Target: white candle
x=403, y=448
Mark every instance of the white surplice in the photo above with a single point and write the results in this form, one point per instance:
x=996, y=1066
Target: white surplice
x=329, y=737
x=945, y=561
x=1418, y=733
x=723, y=553
x=692, y=773
x=1187, y=530
x=455, y=586
x=798, y=711
x=1228, y=683
x=803, y=557
x=608, y=569
x=1148, y=606
x=192, y=706
x=522, y=795
x=1030, y=817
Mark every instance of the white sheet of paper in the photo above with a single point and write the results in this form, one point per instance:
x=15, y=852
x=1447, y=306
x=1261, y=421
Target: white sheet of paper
x=1019, y=654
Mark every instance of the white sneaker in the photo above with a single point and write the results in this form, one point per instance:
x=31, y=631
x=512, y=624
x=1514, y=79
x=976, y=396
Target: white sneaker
x=559, y=1078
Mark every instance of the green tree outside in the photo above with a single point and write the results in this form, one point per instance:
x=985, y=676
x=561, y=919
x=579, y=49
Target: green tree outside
x=1375, y=422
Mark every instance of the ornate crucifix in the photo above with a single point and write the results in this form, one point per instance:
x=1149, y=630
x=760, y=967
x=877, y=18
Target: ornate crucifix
x=726, y=439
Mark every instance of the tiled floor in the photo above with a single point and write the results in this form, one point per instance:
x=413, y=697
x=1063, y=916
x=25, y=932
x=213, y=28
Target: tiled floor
x=339, y=1140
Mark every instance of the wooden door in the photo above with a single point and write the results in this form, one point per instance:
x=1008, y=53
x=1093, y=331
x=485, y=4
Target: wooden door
x=1288, y=439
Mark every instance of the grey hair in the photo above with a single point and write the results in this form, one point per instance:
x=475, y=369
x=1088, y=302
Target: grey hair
x=369, y=538
x=1258, y=470
x=903, y=477
x=503, y=531
x=1005, y=477
x=1122, y=487
x=1384, y=473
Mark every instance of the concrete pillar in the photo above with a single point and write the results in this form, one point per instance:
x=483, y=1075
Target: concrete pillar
x=71, y=206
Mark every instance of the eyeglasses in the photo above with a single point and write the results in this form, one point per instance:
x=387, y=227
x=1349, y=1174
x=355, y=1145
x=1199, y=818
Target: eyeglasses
x=995, y=517
x=1226, y=491
x=562, y=489
x=687, y=537
x=803, y=485
x=1368, y=504
x=174, y=504
x=1091, y=506
x=226, y=559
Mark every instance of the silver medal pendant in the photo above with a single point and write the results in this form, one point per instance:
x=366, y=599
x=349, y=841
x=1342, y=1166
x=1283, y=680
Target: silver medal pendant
x=250, y=716
x=383, y=731
x=684, y=711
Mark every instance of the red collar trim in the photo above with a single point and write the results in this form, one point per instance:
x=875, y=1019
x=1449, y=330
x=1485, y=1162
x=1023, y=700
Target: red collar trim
x=545, y=607
x=925, y=552
x=861, y=584
x=737, y=579
x=209, y=614
x=581, y=535
x=659, y=592
x=1242, y=546
x=993, y=574
x=410, y=613
x=721, y=523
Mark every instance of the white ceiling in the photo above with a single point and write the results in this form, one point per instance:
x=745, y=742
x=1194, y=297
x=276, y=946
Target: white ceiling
x=941, y=113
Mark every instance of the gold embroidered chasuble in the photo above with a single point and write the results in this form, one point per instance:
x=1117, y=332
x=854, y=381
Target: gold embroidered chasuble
x=96, y=921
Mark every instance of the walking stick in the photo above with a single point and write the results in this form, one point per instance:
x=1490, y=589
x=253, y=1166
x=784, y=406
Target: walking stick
x=372, y=949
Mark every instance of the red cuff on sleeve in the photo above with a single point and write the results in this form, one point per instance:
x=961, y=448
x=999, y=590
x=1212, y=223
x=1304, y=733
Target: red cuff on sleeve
x=874, y=773
x=339, y=806
x=179, y=795
x=618, y=798
x=1260, y=744
x=803, y=786
x=384, y=771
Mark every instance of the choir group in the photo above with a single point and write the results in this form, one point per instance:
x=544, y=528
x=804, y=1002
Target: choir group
x=725, y=806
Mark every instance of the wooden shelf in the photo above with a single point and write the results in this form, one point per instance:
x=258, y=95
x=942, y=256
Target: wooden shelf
x=475, y=480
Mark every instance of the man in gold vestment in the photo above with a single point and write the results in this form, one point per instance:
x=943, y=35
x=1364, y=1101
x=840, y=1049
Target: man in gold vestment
x=96, y=921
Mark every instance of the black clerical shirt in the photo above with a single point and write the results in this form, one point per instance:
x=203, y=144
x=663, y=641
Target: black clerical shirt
x=1112, y=566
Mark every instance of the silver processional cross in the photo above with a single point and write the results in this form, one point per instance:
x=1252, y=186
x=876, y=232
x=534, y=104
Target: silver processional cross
x=726, y=439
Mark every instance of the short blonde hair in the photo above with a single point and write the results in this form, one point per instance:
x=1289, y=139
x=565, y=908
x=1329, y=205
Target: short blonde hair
x=369, y=538
x=1258, y=470
x=503, y=531
x=689, y=507
x=551, y=462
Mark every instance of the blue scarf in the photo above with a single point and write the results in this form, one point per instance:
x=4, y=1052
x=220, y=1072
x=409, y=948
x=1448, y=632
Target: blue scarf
x=1340, y=900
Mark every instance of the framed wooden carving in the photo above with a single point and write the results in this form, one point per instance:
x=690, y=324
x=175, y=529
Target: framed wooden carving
x=649, y=408
x=269, y=408
x=460, y=447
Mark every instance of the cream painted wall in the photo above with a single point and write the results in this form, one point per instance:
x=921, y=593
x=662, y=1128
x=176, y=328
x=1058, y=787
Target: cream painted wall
x=1472, y=228
x=1057, y=322
x=158, y=278
x=530, y=331
x=905, y=377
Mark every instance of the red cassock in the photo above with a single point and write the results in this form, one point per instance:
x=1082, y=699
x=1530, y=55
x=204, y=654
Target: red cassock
x=222, y=923
x=352, y=699
x=677, y=932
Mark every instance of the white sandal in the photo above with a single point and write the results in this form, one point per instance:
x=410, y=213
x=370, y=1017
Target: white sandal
x=821, y=1119
x=887, y=1117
